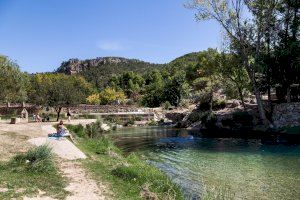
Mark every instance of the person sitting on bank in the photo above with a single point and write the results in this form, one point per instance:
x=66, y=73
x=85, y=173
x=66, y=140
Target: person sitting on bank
x=60, y=128
x=61, y=131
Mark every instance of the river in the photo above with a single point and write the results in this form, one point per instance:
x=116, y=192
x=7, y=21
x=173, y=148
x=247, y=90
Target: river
x=218, y=168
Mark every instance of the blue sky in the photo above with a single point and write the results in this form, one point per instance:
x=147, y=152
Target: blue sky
x=40, y=34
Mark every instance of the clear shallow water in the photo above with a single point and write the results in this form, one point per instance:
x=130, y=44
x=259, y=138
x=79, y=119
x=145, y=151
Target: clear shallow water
x=212, y=168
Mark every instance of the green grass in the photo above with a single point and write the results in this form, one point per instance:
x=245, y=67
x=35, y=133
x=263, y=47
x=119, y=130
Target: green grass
x=127, y=176
x=26, y=174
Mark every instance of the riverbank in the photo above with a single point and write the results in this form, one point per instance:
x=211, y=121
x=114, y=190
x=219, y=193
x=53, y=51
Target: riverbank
x=64, y=181
x=129, y=177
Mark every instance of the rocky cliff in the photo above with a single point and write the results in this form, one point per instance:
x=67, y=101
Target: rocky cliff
x=74, y=66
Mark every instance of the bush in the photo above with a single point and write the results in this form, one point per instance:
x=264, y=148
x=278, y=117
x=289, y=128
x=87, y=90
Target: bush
x=166, y=105
x=77, y=129
x=114, y=119
x=219, y=104
x=94, y=130
x=153, y=123
x=38, y=159
x=195, y=117
x=184, y=103
x=130, y=122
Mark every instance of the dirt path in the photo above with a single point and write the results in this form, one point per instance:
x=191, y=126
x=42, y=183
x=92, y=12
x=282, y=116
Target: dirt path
x=81, y=186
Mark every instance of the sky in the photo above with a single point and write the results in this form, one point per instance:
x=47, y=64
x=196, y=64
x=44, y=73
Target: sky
x=40, y=34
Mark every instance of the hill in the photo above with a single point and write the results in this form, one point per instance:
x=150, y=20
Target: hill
x=186, y=60
x=99, y=70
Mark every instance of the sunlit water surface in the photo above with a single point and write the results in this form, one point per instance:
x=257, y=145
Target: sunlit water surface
x=218, y=168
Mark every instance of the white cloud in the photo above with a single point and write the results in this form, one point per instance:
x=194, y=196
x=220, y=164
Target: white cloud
x=110, y=46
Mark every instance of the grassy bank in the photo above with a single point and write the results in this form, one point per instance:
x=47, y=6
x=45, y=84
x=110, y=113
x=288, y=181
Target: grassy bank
x=28, y=174
x=129, y=177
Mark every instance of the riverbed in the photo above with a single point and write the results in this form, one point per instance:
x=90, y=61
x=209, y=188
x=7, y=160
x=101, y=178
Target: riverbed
x=218, y=168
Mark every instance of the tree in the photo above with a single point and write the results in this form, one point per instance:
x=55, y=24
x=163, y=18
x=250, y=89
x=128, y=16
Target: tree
x=154, y=89
x=233, y=72
x=59, y=90
x=94, y=99
x=209, y=73
x=245, y=33
x=110, y=95
x=13, y=82
x=175, y=88
x=130, y=82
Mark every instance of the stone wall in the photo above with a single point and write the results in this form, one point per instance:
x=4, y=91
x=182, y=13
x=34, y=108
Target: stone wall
x=287, y=114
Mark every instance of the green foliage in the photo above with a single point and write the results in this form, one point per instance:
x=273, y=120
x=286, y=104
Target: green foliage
x=13, y=82
x=99, y=73
x=95, y=130
x=101, y=145
x=161, y=89
x=131, y=83
x=38, y=159
x=154, y=89
x=77, y=129
x=152, y=123
x=166, y=105
x=110, y=95
x=58, y=90
x=93, y=99
x=32, y=171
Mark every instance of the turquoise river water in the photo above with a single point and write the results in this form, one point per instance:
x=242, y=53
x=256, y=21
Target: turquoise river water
x=218, y=168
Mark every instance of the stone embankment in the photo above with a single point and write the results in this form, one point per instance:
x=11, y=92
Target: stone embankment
x=286, y=114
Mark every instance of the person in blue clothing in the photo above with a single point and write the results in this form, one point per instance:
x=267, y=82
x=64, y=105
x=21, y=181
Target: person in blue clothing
x=60, y=128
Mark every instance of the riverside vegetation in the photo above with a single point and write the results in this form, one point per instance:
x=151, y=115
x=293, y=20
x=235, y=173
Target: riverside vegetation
x=30, y=173
x=130, y=177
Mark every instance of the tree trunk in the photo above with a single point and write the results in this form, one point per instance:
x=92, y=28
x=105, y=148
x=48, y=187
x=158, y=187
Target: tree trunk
x=242, y=97
x=58, y=113
x=260, y=106
x=259, y=102
x=211, y=99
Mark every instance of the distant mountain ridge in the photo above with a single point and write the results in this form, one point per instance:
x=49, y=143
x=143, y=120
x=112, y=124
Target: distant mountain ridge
x=99, y=70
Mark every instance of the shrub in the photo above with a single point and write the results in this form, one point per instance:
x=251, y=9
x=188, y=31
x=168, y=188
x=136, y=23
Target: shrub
x=130, y=122
x=166, y=105
x=184, y=103
x=77, y=129
x=153, y=123
x=94, y=130
x=219, y=104
x=93, y=99
x=110, y=95
x=38, y=159
x=195, y=117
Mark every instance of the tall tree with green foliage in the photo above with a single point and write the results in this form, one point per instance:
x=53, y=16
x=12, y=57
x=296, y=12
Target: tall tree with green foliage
x=59, y=90
x=245, y=33
x=130, y=82
x=13, y=82
x=233, y=73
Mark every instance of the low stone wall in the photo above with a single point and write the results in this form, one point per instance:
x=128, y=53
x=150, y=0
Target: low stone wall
x=287, y=114
x=16, y=111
